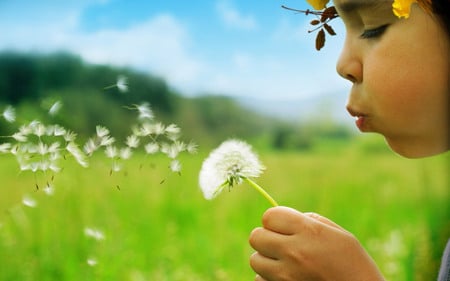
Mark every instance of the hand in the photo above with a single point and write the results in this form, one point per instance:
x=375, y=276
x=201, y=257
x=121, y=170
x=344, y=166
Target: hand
x=305, y=246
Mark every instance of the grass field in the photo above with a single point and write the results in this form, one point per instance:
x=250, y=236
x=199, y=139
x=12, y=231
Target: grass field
x=130, y=226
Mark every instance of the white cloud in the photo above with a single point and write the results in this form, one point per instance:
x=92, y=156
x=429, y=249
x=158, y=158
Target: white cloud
x=233, y=18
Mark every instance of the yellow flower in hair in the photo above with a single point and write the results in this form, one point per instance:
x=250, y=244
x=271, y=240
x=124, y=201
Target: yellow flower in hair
x=402, y=8
x=318, y=4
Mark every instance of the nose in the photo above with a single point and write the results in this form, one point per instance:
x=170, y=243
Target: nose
x=349, y=64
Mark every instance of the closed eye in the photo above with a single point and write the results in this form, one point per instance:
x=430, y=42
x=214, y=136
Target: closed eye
x=374, y=33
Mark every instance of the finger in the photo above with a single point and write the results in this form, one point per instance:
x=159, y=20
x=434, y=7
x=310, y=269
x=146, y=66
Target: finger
x=323, y=220
x=283, y=220
x=266, y=242
x=259, y=278
x=263, y=266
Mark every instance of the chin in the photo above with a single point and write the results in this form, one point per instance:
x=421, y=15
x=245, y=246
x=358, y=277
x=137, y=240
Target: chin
x=409, y=149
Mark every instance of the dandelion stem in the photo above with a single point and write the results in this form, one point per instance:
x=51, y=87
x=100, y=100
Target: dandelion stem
x=262, y=191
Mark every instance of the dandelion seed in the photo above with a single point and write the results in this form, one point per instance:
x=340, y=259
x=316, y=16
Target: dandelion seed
x=70, y=136
x=107, y=140
x=171, y=151
x=5, y=147
x=94, y=233
x=151, y=148
x=228, y=165
x=9, y=114
x=77, y=153
x=191, y=148
x=132, y=141
x=54, y=109
x=90, y=147
x=125, y=153
x=101, y=131
x=19, y=137
x=175, y=166
x=39, y=129
x=92, y=261
x=172, y=129
x=122, y=83
x=115, y=167
x=145, y=111
x=29, y=202
x=111, y=151
x=158, y=129
x=49, y=190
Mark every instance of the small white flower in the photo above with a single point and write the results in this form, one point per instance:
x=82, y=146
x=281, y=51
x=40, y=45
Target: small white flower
x=54, y=109
x=228, y=165
x=122, y=83
x=9, y=114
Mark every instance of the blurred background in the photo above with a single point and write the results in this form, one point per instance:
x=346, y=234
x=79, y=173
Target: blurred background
x=217, y=69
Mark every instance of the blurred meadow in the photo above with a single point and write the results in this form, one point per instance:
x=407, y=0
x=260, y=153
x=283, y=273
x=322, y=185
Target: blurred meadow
x=145, y=222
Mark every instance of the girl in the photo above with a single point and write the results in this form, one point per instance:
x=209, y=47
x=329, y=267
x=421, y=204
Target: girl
x=399, y=71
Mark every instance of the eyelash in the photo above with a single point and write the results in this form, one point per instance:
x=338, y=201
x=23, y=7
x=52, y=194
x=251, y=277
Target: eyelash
x=374, y=33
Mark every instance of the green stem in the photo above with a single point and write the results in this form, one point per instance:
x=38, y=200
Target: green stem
x=262, y=191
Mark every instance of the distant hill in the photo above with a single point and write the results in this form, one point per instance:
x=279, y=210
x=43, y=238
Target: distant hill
x=31, y=82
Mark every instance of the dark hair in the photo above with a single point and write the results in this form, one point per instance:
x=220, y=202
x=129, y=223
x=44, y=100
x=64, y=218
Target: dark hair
x=442, y=9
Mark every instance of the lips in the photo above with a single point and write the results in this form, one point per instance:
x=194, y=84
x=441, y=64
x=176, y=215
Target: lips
x=361, y=118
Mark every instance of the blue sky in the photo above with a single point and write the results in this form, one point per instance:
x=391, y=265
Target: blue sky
x=250, y=48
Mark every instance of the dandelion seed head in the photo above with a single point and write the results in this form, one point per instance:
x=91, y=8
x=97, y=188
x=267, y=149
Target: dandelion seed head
x=9, y=114
x=227, y=165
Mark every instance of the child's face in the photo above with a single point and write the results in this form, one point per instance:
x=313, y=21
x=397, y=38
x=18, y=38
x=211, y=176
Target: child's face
x=400, y=74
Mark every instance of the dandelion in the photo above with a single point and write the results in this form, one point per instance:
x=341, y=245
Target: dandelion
x=230, y=164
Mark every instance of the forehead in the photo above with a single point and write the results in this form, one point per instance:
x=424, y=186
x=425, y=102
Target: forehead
x=351, y=5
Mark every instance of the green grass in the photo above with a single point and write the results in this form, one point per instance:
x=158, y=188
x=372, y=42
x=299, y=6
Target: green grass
x=398, y=208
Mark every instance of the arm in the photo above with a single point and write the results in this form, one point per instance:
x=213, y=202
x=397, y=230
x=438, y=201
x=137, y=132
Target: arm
x=305, y=246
